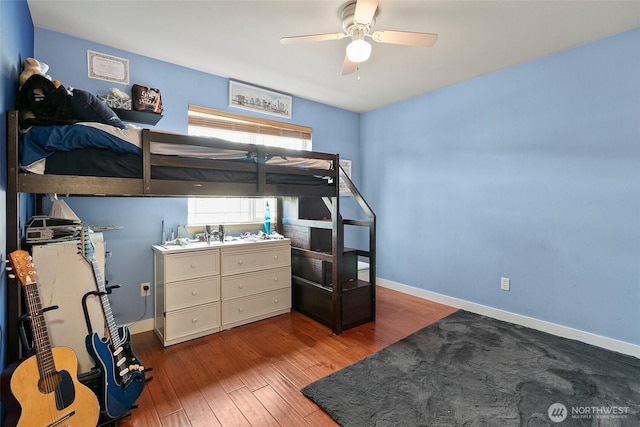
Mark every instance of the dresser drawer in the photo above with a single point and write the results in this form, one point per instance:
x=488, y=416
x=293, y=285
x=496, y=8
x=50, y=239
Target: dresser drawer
x=188, y=293
x=252, y=283
x=191, y=265
x=192, y=321
x=256, y=306
x=241, y=261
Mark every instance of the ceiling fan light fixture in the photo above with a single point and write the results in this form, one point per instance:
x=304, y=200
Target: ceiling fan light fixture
x=359, y=50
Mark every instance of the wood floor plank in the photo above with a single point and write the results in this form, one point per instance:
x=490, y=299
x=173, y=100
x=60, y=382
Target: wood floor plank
x=256, y=414
x=291, y=373
x=279, y=408
x=320, y=419
x=196, y=408
x=164, y=396
x=288, y=391
x=300, y=359
x=206, y=381
x=175, y=419
x=252, y=375
x=224, y=408
x=221, y=365
x=144, y=415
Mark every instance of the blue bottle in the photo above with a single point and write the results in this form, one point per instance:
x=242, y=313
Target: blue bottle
x=267, y=220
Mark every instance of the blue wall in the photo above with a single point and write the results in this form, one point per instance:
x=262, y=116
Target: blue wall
x=531, y=173
x=16, y=43
x=334, y=130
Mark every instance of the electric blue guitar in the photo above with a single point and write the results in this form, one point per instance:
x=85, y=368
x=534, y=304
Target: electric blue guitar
x=122, y=374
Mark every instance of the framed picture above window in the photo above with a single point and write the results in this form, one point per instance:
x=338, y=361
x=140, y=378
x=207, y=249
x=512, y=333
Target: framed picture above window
x=255, y=98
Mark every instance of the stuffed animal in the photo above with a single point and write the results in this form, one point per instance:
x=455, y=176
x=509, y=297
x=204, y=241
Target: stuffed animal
x=119, y=94
x=32, y=66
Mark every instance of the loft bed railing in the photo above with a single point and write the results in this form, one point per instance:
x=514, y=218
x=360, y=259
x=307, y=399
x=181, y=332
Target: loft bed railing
x=261, y=153
x=148, y=186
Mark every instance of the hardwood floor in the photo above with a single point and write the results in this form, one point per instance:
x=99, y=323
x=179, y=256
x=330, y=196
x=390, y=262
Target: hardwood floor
x=252, y=375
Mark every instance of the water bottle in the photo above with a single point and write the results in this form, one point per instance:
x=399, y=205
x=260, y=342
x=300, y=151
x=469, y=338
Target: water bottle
x=267, y=220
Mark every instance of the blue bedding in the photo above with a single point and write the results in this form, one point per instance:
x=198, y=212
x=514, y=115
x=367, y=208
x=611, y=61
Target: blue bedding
x=39, y=142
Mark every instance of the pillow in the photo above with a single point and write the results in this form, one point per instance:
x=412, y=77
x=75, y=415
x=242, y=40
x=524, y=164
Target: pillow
x=88, y=108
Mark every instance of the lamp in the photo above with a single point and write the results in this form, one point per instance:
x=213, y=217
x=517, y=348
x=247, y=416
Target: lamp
x=359, y=50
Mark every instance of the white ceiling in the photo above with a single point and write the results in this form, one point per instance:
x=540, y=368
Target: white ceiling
x=239, y=39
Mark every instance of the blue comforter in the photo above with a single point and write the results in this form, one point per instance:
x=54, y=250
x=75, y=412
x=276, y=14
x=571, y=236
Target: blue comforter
x=39, y=142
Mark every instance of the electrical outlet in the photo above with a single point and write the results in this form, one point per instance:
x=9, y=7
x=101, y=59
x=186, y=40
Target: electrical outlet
x=145, y=289
x=505, y=283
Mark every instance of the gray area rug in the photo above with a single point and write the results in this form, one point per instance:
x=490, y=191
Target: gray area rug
x=472, y=370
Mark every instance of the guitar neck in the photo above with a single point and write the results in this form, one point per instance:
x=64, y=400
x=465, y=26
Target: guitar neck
x=106, y=305
x=44, y=355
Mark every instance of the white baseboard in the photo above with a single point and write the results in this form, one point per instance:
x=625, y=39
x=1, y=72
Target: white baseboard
x=530, y=322
x=140, y=326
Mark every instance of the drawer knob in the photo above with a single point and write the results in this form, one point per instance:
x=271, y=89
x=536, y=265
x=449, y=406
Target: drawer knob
x=275, y=257
x=275, y=278
x=194, y=292
x=275, y=300
x=240, y=262
x=194, y=320
x=193, y=265
x=240, y=286
x=240, y=309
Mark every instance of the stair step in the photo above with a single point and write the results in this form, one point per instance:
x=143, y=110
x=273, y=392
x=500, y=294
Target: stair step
x=360, y=222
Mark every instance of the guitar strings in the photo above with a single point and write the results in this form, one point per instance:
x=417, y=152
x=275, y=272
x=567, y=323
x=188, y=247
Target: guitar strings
x=113, y=335
x=44, y=354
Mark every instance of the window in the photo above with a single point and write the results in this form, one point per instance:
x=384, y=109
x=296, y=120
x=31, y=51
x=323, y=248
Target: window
x=224, y=210
x=235, y=127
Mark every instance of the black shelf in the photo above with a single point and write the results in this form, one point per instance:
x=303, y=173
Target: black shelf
x=138, y=116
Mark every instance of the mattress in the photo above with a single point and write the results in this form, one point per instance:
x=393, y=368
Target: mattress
x=95, y=149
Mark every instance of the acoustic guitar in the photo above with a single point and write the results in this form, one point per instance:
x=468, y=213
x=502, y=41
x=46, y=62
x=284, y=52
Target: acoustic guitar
x=122, y=374
x=46, y=385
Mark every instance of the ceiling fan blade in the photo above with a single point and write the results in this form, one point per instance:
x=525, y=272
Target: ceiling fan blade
x=348, y=67
x=405, y=38
x=311, y=38
x=365, y=11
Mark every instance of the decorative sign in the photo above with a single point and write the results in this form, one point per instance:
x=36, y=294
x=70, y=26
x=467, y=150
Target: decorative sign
x=107, y=67
x=346, y=166
x=257, y=99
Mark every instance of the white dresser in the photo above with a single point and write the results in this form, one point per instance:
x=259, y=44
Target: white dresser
x=201, y=289
x=256, y=281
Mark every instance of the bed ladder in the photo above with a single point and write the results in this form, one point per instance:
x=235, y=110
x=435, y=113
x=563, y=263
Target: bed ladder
x=326, y=282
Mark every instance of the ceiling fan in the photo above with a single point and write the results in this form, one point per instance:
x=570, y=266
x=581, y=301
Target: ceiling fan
x=358, y=18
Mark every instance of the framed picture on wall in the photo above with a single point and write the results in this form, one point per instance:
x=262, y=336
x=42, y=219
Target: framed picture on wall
x=255, y=98
x=107, y=67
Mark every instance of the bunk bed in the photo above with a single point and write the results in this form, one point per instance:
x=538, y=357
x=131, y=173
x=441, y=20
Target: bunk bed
x=162, y=164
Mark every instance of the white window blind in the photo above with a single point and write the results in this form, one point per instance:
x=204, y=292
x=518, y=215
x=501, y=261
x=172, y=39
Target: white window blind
x=247, y=129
